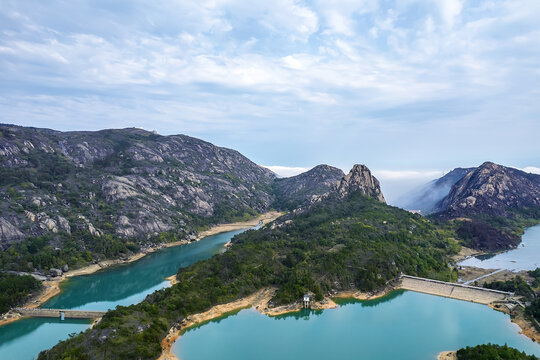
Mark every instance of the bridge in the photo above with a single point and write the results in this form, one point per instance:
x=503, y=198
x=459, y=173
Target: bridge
x=453, y=290
x=59, y=313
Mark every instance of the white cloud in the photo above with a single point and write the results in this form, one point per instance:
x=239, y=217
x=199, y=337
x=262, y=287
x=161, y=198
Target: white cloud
x=532, y=169
x=407, y=174
x=286, y=171
x=450, y=10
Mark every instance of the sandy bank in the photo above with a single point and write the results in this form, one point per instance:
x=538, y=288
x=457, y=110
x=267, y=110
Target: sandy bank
x=527, y=327
x=465, y=253
x=52, y=288
x=447, y=355
x=517, y=316
x=172, y=279
x=217, y=229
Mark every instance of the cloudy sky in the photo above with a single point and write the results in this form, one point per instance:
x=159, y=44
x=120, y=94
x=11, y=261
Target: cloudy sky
x=409, y=87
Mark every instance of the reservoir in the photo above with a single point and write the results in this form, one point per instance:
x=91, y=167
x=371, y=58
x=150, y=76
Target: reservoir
x=525, y=257
x=120, y=285
x=403, y=325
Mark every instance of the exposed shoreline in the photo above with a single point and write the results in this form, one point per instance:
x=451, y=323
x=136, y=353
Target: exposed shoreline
x=447, y=355
x=52, y=288
x=258, y=301
x=517, y=317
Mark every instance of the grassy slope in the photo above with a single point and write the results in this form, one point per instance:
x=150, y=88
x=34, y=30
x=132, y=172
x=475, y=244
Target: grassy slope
x=354, y=243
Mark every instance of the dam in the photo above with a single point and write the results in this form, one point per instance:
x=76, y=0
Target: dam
x=59, y=313
x=453, y=290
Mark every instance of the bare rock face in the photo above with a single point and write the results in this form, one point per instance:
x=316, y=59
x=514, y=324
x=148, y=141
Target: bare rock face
x=64, y=224
x=492, y=189
x=360, y=179
x=30, y=215
x=46, y=223
x=8, y=232
x=86, y=225
x=123, y=220
x=118, y=188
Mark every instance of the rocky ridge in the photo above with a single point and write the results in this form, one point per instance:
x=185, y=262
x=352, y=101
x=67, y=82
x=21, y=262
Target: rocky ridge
x=127, y=182
x=301, y=189
x=494, y=190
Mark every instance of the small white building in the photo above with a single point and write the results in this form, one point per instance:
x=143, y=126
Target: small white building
x=307, y=299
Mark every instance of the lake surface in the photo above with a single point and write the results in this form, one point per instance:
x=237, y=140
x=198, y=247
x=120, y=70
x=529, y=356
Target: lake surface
x=403, y=325
x=525, y=257
x=120, y=285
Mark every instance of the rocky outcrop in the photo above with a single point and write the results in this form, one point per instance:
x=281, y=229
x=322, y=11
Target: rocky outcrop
x=492, y=189
x=8, y=232
x=118, y=188
x=360, y=179
x=300, y=190
x=64, y=224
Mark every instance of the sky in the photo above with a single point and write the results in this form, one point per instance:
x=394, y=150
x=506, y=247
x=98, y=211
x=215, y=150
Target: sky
x=411, y=88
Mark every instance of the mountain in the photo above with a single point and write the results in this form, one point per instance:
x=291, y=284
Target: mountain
x=428, y=197
x=299, y=190
x=492, y=189
x=493, y=205
x=112, y=190
x=360, y=179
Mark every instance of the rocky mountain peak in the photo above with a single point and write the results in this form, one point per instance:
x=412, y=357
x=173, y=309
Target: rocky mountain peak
x=493, y=189
x=360, y=179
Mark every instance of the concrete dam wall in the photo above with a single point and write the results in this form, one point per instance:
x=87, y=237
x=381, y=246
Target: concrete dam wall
x=452, y=290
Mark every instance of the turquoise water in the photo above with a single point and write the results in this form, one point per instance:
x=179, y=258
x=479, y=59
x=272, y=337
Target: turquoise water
x=121, y=285
x=525, y=257
x=404, y=325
